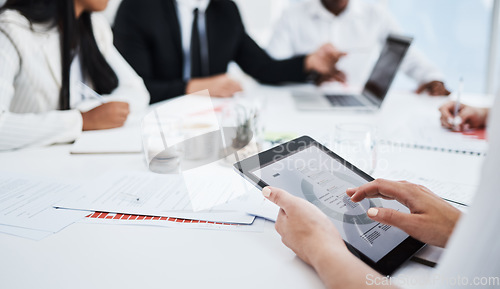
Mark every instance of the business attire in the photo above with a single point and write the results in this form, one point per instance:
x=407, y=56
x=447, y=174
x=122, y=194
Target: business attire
x=360, y=30
x=150, y=38
x=30, y=83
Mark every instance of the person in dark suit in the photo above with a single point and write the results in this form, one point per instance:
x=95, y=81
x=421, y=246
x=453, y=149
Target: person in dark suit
x=178, y=52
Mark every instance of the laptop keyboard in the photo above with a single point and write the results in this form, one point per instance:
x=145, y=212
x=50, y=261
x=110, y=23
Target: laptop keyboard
x=343, y=100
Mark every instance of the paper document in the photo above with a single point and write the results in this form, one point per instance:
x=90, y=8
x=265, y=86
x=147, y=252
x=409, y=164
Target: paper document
x=110, y=141
x=428, y=134
x=35, y=235
x=421, y=128
x=212, y=185
x=460, y=193
x=146, y=193
x=27, y=202
x=255, y=204
x=134, y=220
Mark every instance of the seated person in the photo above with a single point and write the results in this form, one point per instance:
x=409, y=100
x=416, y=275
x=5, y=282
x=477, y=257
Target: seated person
x=314, y=238
x=47, y=50
x=183, y=46
x=355, y=27
x=469, y=117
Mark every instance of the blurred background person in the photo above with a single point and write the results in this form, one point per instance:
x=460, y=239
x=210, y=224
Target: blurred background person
x=355, y=27
x=183, y=46
x=48, y=48
x=469, y=117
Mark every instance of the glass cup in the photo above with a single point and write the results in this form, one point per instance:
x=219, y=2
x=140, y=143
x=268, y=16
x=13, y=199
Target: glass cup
x=162, y=143
x=356, y=143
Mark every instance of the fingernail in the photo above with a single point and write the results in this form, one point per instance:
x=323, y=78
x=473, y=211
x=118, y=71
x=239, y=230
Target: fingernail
x=372, y=212
x=266, y=192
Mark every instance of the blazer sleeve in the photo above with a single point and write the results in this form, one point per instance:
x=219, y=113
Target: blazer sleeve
x=258, y=64
x=19, y=130
x=131, y=39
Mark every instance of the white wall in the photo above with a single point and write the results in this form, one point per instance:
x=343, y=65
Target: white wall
x=259, y=17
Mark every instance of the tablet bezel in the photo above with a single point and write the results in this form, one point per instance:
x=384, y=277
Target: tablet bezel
x=391, y=261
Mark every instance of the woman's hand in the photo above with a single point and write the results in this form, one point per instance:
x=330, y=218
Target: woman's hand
x=314, y=238
x=303, y=227
x=431, y=220
x=106, y=116
x=471, y=117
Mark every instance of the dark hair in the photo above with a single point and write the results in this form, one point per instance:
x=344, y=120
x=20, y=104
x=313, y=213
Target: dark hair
x=74, y=33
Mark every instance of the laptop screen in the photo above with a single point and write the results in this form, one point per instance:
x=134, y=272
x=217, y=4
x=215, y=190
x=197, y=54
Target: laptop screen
x=387, y=66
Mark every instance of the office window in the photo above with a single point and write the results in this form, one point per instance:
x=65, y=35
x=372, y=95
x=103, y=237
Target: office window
x=453, y=34
x=259, y=17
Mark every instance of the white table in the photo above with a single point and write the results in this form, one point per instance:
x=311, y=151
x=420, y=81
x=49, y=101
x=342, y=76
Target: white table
x=116, y=256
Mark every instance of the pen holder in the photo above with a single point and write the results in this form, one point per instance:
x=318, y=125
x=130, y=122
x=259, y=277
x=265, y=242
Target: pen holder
x=244, y=115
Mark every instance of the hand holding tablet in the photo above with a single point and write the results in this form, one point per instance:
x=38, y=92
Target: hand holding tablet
x=310, y=171
x=303, y=227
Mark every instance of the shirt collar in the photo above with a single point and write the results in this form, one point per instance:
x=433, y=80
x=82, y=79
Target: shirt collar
x=318, y=11
x=193, y=4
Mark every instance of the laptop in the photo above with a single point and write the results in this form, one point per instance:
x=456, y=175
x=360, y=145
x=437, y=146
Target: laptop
x=376, y=86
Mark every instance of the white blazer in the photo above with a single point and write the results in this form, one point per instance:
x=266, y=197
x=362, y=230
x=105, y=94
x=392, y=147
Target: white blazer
x=30, y=81
x=360, y=30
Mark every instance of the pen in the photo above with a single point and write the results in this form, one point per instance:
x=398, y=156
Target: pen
x=457, y=120
x=133, y=196
x=455, y=202
x=86, y=90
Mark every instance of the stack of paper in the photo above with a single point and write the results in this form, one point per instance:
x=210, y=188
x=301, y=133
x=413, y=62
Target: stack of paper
x=111, y=141
x=420, y=127
x=457, y=193
x=150, y=194
x=427, y=133
x=121, y=219
x=26, y=206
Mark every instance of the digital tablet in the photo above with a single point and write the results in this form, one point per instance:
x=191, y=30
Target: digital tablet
x=309, y=170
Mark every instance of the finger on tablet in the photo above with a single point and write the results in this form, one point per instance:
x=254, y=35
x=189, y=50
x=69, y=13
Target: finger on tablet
x=350, y=191
x=380, y=188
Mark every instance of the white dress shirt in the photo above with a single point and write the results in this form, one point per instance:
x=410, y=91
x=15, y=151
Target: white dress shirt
x=185, y=10
x=30, y=82
x=360, y=30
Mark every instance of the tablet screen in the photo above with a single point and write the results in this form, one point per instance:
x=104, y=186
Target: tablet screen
x=312, y=174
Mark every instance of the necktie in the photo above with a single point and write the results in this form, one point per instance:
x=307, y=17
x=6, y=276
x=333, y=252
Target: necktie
x=199, y=46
